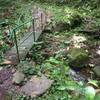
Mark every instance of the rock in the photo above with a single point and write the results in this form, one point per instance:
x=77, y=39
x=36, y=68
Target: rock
x=78, y=58
x=98, y=52
x=36, y=86
x=68, y=21
x=89, y=93
x=77, y=76
x=1, y=68
x=78, y=41
x=97, y=70
x=18, y=77
x=60, y=26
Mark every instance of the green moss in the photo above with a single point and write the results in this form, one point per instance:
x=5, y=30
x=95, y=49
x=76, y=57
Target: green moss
x=78, y=57
x=70, y=17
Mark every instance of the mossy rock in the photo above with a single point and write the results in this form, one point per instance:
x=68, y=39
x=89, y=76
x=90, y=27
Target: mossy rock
x=78, y=57
x=97, y=71
x=69, y=19
x=76, y=21
x=72, y=17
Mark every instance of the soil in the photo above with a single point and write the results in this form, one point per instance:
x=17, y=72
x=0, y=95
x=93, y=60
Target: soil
x=6, y=75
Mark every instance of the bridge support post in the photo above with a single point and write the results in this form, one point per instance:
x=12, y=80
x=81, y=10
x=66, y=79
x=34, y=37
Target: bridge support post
x=15, y=39
x=33, y=21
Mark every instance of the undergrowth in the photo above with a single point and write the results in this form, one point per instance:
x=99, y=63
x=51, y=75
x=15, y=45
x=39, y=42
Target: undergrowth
x=54, y=68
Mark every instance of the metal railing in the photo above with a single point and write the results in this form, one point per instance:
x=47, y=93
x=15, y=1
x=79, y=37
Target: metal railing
x=13, y=32
x=15, y=37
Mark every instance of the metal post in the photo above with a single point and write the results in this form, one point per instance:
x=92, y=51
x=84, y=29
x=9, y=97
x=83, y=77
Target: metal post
x=41, y=21
x=15, y=39
x=33, y=22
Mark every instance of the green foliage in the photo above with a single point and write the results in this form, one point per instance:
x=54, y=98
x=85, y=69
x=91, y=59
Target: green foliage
x=93, y=82
x=3, y=47
x=73, y=13
x=22, y=97
x=70, y=17
x=63, y=87
x=6, y=3
x=54, y=67
x=36, y=55
x=97, y=96
x=56, y=70
x=27, y=68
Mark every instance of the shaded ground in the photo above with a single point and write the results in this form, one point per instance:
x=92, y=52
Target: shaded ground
x=52, y=46
x=6, y=75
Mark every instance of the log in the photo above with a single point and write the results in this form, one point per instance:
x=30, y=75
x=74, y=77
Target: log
x=94, y=33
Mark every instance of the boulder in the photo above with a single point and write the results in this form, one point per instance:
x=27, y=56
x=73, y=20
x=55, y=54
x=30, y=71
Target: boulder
x=36, y=86
x=78, y=41
x=78, y=58
x=18, y=77
x=97, y=71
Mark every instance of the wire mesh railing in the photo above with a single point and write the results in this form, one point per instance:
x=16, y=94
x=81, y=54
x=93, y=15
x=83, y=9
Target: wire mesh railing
x=21, y=33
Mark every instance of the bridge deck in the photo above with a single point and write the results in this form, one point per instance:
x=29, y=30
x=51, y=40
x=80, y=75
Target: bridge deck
x=24, y=45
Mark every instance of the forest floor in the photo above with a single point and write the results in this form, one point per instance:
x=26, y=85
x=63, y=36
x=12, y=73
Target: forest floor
x=64, y=64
